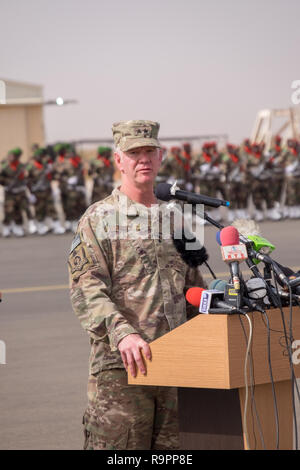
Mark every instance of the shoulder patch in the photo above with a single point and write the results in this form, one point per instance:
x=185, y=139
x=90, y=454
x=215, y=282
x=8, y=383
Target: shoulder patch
x=79, y=261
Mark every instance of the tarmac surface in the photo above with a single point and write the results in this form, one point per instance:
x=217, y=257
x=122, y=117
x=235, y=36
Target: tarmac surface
x=43, y=383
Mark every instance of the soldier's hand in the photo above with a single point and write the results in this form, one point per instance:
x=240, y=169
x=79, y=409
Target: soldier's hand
x=130, y=349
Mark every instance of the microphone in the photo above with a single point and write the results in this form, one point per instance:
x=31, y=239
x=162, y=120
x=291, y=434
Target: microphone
x=230, y=297
x=166, y=192
x=209, y=301
x=192, y=258
x=233, y=252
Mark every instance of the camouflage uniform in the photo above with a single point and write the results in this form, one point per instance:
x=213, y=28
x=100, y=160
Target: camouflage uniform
x=292, y=175
x=69, y=172
x=102, y=171
x=277, y=164
x=175, y=168
x=212, y=177
x=236, y=179
x=258, y=178
x=13, y=177
x=119, y=286
x=39, y=184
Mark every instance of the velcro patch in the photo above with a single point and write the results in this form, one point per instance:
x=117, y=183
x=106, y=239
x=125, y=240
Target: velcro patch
x=76, y=241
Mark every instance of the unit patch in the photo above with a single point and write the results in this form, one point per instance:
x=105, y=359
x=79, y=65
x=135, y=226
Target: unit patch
x=79, y=259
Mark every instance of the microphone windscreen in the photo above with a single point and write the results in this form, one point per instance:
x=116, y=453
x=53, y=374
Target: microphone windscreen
x=193, y=295
x=256, y=288
x=218, y=237
x=229, y=236
x=217, y=284
x=162, y=191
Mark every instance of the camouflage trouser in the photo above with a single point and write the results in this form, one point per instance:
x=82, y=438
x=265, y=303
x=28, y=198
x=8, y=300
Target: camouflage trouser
x=293, y=192
x=129, y=417
x=44, y=206
x=14, y=204
x=238, y=195
x=73, y=203
x=277, y=188
x=262, y=191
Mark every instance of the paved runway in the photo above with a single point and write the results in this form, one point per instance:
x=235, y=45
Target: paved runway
x=43, y=383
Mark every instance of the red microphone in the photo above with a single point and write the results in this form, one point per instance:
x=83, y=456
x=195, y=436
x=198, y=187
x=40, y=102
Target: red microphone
x=229, y=236
x=208, y=300
x=233, y=252
x=193, y=295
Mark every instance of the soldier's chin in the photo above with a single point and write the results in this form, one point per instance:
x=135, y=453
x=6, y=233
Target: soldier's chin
x=146, y=176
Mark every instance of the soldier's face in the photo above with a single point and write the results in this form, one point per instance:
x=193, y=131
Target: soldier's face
x=139, y=166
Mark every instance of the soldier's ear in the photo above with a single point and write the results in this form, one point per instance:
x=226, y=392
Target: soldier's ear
x=118, y=160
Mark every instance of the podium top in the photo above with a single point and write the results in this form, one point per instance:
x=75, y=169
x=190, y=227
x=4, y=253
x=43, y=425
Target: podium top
x=209, y=352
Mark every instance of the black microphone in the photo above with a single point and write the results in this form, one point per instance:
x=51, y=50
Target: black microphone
x=165, y=192
x=192, y=258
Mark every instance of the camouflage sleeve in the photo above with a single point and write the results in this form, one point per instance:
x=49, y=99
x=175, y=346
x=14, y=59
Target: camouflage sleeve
x=91, y=285
x=193, y=278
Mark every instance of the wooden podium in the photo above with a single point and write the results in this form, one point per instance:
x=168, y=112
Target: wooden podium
x=205, y=358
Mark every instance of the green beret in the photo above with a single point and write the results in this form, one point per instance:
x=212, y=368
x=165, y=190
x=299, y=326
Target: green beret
x=40, y=151
x=16, y=151
x=104, y=150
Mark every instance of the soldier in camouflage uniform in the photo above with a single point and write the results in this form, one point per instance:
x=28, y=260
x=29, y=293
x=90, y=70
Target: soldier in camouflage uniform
x=13, y=177
x=212, y=176
x=69, y=173
x=102, y=172
x=175, y=167
x=292, y=175
x=127, y=289
x=40, y=174
x=236, y=179
x=259, y=179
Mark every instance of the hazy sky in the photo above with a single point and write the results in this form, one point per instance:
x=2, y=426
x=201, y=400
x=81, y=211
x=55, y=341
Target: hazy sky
x=196, y=66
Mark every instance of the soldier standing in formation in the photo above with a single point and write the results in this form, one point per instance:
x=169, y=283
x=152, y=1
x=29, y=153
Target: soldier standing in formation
x=69, y=173
x=175, y=167
x=40, y=175
x=102, y=173
x=292, y=174
x=236, y=180
x=13, y=177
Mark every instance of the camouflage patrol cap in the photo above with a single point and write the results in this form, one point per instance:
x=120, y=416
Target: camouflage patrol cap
x=129, y=135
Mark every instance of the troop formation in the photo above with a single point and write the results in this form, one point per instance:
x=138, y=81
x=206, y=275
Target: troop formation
x=259, y=184
x=51, y=191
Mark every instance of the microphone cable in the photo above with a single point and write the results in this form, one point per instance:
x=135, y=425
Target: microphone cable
x=293, y=377
x=272, y=381
x=246, y=381
x=253, y=402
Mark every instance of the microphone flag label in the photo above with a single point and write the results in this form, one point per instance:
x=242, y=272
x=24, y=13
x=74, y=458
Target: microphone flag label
x=206, y=299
